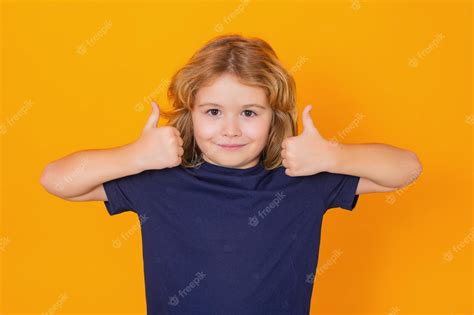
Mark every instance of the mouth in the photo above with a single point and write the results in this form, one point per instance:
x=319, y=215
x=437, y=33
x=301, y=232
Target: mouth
x=231, y=147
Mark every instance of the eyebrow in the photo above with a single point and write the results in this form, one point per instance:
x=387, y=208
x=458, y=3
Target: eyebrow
x=244, y=106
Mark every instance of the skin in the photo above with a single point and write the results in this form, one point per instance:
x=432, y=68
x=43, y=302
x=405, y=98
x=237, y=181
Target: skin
x=227, y=120
x=381, y=167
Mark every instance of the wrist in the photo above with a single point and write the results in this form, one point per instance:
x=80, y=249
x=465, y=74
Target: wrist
x=129, y=154
x=335, y=150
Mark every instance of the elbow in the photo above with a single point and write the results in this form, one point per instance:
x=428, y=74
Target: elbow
x=412, y=169
x=45, y=178
x=49, y=181
x=417, y=163
x=415, y=167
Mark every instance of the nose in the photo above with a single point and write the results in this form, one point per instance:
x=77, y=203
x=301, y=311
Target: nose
x=231, y=127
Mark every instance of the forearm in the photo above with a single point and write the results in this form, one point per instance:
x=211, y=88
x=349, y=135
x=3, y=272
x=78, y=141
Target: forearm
x=80, y=172
x=384, y=164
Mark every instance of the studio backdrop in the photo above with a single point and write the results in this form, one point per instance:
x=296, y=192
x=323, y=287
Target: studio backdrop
x=79, y=75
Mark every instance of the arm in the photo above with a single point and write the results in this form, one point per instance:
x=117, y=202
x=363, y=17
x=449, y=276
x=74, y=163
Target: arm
x=98, y=194
x=382, y=167
x=80, y=175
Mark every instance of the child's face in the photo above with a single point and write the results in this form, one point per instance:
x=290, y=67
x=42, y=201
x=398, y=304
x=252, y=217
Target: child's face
x=228, y=121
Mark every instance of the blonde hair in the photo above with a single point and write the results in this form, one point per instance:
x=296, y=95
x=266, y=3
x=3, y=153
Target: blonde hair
x=254, y=63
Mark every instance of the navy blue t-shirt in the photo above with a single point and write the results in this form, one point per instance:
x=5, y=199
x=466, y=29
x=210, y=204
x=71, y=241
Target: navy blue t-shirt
x=219, y=240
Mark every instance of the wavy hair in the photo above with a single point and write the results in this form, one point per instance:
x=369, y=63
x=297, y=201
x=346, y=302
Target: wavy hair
x=254, y=63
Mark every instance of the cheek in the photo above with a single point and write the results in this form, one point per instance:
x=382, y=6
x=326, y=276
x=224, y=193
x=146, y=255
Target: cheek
x=203, y=130
x=258, y=131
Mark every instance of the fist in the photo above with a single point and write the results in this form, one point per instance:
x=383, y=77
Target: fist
x=308, y=153
x=158, y=148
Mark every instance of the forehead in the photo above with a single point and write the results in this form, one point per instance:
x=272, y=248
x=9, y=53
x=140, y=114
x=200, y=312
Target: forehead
x=227, y=91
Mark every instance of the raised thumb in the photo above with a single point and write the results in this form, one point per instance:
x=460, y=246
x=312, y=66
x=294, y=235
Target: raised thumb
x=154, y=117
x=308, y=125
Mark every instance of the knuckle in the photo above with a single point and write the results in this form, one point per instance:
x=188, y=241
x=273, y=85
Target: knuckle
x=168, y=129
x=175, y=130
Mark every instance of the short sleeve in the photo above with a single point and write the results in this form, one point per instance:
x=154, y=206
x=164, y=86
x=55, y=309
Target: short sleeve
x=125, y=193
x=339, y=190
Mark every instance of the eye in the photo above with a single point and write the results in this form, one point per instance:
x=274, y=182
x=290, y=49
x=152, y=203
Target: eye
x=212, y=109
x=249, y=111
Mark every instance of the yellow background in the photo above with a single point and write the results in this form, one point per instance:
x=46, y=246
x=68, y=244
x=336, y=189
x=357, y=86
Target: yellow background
x=78, y=75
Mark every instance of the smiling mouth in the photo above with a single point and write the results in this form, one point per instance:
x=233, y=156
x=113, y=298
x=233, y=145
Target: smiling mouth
x=231, y=146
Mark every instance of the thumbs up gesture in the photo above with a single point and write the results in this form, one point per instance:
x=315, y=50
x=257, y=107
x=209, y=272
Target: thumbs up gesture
x=157, y=148
x=308, y=153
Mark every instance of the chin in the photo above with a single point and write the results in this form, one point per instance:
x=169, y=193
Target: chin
x=235, y=163
x=229, y=162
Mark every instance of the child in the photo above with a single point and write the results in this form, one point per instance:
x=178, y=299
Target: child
x=233, y=197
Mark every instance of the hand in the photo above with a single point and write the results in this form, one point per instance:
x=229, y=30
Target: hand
x=308, y=153
x=157, y=148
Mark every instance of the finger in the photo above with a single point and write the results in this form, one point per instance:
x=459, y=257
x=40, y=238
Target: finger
x=175, y=130
x=154, y=117
x=308, y=125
